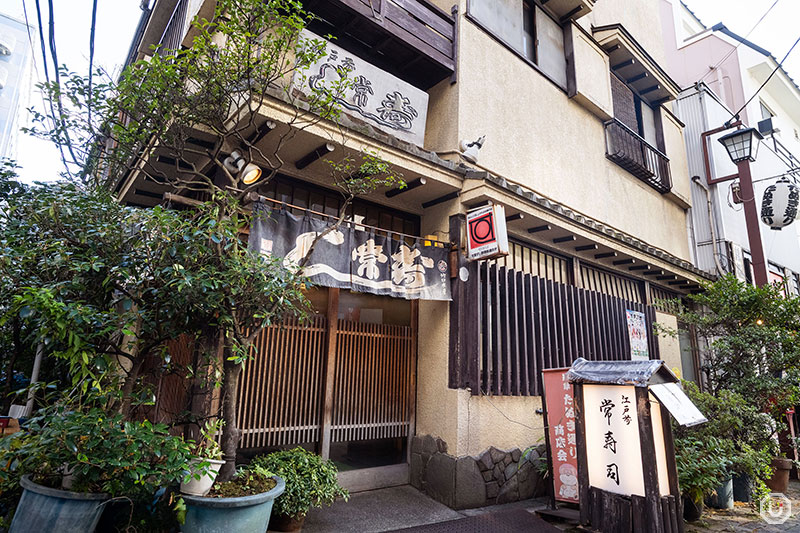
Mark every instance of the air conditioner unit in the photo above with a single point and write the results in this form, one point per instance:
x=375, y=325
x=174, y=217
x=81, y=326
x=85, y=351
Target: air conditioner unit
x=766, y=127
x=7, y=44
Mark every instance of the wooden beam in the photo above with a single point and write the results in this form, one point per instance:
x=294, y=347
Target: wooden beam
x=650, y=89
x=664, y=278
x=653, y=273
x=568, y=238
x=515, y=216
x=623, y=64
x=586, y=248
x=436, y=201
x=570, y=14
x=410, y=186
x=640, y=267
x=604, y=255
x=624, y=262
x=612, y=48
x=178, y=199
x=636, y=78
x=314, y=155
x=479, y=204
x=330, y=374
x=537, y=229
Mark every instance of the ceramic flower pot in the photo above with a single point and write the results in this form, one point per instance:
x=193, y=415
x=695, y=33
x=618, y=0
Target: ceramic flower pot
x=779, y=481
x=285, y=522
x=246, y=514
x=44, y=509
x=692, y=510
x=200, y=487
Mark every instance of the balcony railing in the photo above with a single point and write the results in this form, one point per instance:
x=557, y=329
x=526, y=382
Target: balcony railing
x=412, y=39
x=630, y=151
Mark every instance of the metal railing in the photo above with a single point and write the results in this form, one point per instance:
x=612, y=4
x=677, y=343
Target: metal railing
x=174, y=32
x=630, y=151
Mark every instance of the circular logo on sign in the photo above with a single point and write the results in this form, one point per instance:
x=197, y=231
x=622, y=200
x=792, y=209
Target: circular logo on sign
x=481, y=230
x=442, y=265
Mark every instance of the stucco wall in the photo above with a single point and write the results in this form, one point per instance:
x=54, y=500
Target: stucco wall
x=538, y=137
x=641, y=18
x=505, y=422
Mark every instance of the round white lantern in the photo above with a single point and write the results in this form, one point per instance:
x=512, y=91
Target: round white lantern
x=779, y=205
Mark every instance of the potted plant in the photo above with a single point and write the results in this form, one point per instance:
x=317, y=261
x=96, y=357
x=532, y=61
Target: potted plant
x=701, y=467
x=105, y=457
x=310, y=482
x=243, y=504
x=206, y=463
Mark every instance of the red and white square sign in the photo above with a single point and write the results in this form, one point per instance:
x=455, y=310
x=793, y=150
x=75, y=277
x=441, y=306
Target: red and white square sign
x=486, y=232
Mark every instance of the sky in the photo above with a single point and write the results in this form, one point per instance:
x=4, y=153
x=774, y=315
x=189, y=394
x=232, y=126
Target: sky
x=116, y=24
x=117, y=20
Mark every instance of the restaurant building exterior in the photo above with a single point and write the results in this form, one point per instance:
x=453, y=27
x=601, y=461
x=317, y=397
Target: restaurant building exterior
x=578, y=142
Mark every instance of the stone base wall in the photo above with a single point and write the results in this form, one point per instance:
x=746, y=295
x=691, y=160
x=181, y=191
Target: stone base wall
x=493, y=477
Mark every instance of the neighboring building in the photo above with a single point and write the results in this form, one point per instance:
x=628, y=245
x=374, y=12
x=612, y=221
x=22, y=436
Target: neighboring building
x=709, y=98
x=584, y=153
x=16, y=60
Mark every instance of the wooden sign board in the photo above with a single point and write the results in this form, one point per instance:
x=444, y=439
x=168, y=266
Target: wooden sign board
x=561, y=436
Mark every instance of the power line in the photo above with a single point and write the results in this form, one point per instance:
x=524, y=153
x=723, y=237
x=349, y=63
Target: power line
x=729, y=54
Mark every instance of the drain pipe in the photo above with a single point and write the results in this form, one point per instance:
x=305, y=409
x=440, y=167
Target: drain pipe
x=710, y=210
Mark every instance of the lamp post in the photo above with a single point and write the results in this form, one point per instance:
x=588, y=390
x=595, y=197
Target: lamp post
x=742, y=147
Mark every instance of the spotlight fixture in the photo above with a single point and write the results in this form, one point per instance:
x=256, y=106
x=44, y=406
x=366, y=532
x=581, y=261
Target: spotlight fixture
x=235, y=164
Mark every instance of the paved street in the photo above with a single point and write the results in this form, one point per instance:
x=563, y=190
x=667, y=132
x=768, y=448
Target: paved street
x=742, y=518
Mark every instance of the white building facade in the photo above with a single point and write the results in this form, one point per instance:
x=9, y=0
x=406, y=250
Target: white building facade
x=719, y=72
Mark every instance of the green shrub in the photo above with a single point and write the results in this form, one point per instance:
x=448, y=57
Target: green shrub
x=310, y=480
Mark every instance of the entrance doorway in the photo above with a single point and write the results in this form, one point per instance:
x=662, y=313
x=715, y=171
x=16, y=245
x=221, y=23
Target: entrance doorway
x=342, y=384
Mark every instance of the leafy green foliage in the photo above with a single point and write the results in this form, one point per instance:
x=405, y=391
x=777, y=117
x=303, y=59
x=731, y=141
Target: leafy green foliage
x=310, y=480
x=702, y=466
x=737, y=439
x=100, y=453
x=751, y=334
x=206, y=446
x=249, y=480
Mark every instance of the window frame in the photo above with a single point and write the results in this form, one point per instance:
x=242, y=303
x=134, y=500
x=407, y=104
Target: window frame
x=521, y=55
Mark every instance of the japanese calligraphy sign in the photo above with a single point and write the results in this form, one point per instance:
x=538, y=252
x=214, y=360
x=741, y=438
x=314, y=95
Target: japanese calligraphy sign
x=351, y=259
x=561, y=433
x=372, y=96
x=637, y=333
x=486, y=232
x=613, y=450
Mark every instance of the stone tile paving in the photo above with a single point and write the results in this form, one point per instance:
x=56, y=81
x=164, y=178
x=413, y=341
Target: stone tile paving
x=743, y=518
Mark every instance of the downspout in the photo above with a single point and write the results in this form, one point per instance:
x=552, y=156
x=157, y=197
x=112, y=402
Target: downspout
x=710, y=209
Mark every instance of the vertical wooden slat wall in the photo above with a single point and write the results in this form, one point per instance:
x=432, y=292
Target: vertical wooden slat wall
x=373, y=389
x=529, y=323
x=281, y=385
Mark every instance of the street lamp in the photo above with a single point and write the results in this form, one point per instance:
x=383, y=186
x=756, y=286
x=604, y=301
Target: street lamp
x=742, y=147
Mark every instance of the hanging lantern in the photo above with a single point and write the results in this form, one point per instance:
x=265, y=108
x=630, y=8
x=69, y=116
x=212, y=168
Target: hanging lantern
x=779, y=205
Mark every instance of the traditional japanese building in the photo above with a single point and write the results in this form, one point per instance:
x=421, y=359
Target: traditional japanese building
x=422, y=366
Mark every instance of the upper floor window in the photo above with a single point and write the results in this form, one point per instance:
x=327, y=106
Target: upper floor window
x=766, y=112
x=524, y=27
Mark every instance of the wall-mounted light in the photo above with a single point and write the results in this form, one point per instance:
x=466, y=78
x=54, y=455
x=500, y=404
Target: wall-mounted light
x=250, y=173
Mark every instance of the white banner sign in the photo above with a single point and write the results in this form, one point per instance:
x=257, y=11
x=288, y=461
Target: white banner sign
x=375, y=96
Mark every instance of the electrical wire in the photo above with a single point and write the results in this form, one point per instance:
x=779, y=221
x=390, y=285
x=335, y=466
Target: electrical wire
x=729, y=54
x=736, y=115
